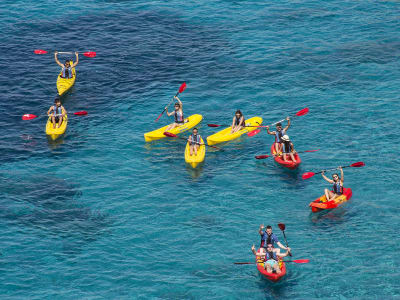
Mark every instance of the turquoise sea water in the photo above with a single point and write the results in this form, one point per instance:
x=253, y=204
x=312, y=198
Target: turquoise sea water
x=100, y=214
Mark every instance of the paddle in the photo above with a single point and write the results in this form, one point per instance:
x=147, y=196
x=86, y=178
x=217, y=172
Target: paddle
x=32, y=116
x=181, y=89
x=174, y=135
x=266, y=155
x=282, y=227
x=354, y=165
x=297, y=261
x=87, y=53
x=300, y=113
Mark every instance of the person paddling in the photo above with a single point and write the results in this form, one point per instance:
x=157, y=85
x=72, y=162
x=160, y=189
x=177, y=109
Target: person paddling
x=67, y=67
x=279, y=133
x=337, y=185
x=178, y=114
x=267, y=237
x=270, y=257
x=238, y=121
x=287, y=148
x=194, y=141
x=57, y=113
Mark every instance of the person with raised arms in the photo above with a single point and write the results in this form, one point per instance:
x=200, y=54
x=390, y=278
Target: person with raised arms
x=66, y=67
x=238, y=121
x=270, y=257
x=194, y=141
x=267, y=237
x=279, y=133
x=287, y=148
x=178, y=114
x=337, y=185
x=57, y=113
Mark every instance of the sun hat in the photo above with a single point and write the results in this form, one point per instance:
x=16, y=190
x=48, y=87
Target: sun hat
x=286, y=138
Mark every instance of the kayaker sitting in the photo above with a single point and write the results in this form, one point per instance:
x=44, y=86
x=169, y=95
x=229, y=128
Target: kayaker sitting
x=270, y=257
x=238, y=121
x=57, y=113
x=287, y=148
x=337, y=185
x=178, y=114
x=66, y=67
x=279, y=133
x=267, y=237
x=194, y=141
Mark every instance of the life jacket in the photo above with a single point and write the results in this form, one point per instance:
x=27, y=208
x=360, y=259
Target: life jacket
x=337, y=188
x=237, y=120
x=279, y=135
x=287, y=147
x=271, y=255
x=267, y=239
x=260, y=259
x=57, y=111
x=179, y=117
x=66, y=73
x=196, y=139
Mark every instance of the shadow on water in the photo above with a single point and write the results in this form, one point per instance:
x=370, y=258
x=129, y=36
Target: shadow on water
x=326, y=218
x=195, y=172
x=50, y=205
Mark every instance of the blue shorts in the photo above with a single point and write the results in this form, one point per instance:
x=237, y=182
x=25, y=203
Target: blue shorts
x=271, y=262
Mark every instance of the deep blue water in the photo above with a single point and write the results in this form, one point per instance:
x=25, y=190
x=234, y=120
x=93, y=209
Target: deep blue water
x=100, y=214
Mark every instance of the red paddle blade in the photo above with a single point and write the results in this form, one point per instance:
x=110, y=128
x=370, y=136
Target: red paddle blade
x=281, y=226
x=159, y=116
x=262, y=156
x=28, y=117
x=182, y=87
x=312, y=150
x=81, y=113
x=302, y=112
x=253, y=132
x=170, y=134
x=39, y=51
x=213, y=125
x=90, y=54
x=357, y=164
x=307, y=175
x=301, y=261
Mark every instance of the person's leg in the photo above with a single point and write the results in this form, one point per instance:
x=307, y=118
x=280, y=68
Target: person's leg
x=285, y=157
x=292, y=157
x=327, y=194
x=196, y=147
x=53, y=120
x=277, y=269
x=60, y=119
x=267, y=267
x=277, y=148
x=191, y=149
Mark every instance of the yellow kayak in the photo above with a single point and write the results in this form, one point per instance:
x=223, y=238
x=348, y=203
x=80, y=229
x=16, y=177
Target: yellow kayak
x=157, y=134
x=194, y=160
x=225, y=134
x=54, y=133
x=64, y=84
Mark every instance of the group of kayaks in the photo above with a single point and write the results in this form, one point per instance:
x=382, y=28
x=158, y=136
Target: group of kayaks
x=63, y=86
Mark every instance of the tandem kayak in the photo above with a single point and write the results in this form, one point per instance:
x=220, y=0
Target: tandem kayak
x=64, y=84
x=157, y=134
x=225, y=135
x=274, y=277
x=54, y=133
x=194, y=160
x=287, y=164
x=321, y=203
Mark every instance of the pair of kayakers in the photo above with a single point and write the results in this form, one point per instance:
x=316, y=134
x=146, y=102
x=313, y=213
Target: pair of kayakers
x=283, y=145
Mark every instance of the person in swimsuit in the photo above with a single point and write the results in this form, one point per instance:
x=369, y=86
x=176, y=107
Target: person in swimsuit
x=279, y=133
x=66, y=71
x=267, y=237
x=287, y=148
x=194, y=141
x=270, y=257
x=57, y=112
x=238, y=122
x=178, y=114
x=337, y=185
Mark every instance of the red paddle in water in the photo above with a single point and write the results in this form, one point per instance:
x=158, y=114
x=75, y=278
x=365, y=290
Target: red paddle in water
x=87, y=53
x=175, y=136
x=282, y=227
x=31, y=116
x=266, y=155
x=354, y=165
x=297, y=261
x=300, y=113
x=181, y=89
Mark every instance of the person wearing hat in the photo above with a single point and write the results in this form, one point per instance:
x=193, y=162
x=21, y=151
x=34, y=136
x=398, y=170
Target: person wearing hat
x=178, y=114
x=279, y=133
x=287, y=148
x=269, y=257
x=238, y=121
x=267, y=237
x=337, y=185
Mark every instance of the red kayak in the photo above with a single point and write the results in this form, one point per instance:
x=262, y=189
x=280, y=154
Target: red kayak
x=272, y=276
x=321, y=203
x=287, y=164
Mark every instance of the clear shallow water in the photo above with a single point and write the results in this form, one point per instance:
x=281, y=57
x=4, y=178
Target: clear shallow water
x=101, y=214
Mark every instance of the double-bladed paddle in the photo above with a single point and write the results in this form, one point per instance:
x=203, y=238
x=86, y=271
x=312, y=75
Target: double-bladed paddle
x=87, y=53
x=353, y=165
x=182, y=138
x=32, y=116
x=297, y=261
x=266, y=155
x=181, y=89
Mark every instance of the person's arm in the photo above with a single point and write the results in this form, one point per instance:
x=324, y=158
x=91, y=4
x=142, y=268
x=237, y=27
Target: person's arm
x=270, y=132
x=180, y=102
x=77, y=60
x=169, y=113
x=253, y=249
x=280, y=245
x=260, y=231
x=326, y=178
x=288, y=124
x=49, y=111
x=64, y=111
x=190, y=138
x=57, y=61
x=282, y=255
x=241, y=123
x=233, y=123
x=341, y=175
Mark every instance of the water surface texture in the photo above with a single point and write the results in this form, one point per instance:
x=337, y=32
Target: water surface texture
x=100, y=214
